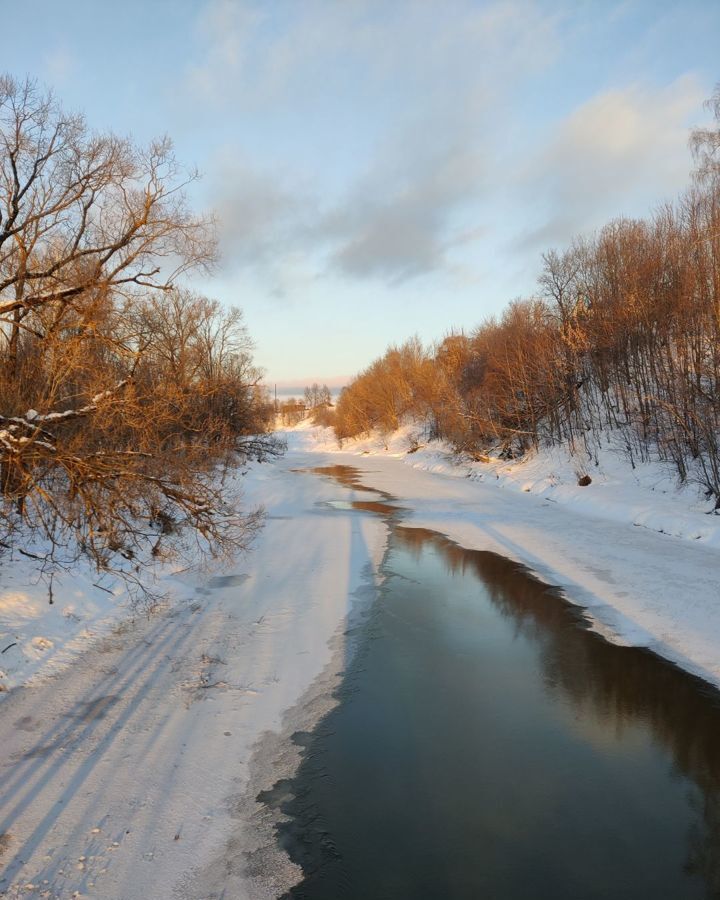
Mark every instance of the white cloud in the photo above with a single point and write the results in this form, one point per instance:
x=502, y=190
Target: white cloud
x=227, y=31
x=397, y=221
x=412, y=104
x=258, y=210
x=612, y=150
x=428, y=81
x=251, y=53
x=60, y=64
x=264, y=218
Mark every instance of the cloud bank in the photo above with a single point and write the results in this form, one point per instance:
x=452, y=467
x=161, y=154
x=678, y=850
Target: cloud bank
x=387, y=142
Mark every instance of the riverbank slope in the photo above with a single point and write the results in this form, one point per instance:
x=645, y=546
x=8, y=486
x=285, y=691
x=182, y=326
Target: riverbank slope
x=641, y=556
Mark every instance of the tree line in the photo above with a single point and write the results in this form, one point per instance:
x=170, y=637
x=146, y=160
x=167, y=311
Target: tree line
x=620, y=343
x=316, y=404
x=122, y=393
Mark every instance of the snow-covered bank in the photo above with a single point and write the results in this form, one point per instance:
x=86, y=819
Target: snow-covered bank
x=125, y=775
x=134, y=771
x=40, y=637
x=647, y=496
x=47, y=622
x=656, y=586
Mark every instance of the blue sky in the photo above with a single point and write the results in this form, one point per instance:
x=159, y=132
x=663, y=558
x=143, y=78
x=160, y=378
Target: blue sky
x=382, y=168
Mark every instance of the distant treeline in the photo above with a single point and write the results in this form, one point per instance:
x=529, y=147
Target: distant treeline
x=623, y=337
x=316, y=402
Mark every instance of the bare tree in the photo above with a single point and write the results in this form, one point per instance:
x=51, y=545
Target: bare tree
x=705, y=143
x=624, y=342
x=119, y=396
x=317, y=395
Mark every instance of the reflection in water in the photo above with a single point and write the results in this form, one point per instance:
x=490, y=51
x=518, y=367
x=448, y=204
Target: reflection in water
x=620, y=685
x=371, y=506
x=347, y=476
x=487, y=744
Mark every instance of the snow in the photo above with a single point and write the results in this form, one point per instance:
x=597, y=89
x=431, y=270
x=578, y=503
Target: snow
x=638, y=553
x=135, y=745
x=37, y=637
x=132, y=759
x=647, y=496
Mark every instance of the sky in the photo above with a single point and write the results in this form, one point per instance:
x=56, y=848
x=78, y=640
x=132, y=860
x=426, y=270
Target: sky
x=386, y=168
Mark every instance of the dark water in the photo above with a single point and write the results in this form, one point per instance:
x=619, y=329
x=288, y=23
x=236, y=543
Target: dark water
x=487, y=745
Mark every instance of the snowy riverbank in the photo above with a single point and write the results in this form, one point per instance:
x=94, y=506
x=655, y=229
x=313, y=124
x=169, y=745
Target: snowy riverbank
x=47, y=622
x=144, y=744
x=640, y=555
x=647, y=496
x=39, y=638
x=129, y=753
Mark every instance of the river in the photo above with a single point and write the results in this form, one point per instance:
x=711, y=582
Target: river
x=488, y=744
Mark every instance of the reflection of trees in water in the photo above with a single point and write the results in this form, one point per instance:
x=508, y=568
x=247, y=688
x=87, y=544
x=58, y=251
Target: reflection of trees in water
x=621, y=685
x=704, y=850
x=347, y=476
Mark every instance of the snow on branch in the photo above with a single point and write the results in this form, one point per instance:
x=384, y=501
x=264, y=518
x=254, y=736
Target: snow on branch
x=34, y=419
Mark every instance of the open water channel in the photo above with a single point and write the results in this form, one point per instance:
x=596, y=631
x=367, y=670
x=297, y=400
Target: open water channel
x=487, y=744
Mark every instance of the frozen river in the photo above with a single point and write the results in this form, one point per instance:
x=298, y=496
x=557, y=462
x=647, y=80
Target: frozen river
x=417, y=720
x=487, y=744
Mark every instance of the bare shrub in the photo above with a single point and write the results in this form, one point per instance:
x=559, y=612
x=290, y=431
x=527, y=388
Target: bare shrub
x=120, y=396
x=324, y=416
x=624, y=340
